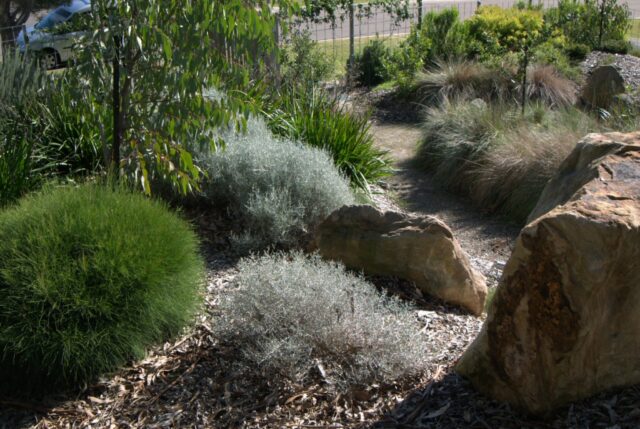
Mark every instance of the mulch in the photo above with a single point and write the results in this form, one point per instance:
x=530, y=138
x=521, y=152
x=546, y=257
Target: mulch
x=197, y=382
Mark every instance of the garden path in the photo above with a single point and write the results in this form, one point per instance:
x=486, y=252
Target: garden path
x=487, y=239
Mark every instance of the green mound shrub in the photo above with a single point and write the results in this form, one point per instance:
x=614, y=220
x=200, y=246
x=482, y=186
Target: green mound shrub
x=369, y=66
x=279, y=189
x=291, y=314
x=577, y=51
x=89, y=278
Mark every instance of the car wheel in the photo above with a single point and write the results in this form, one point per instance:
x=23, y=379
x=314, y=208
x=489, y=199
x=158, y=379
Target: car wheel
x=49, y=60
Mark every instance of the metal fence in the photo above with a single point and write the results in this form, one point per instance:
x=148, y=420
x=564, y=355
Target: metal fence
x=352, y=30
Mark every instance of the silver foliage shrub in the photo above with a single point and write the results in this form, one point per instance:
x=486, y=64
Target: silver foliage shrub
x=279, y=188
x=297, y=317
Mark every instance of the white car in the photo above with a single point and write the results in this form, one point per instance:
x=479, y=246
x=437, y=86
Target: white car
x=54, y=36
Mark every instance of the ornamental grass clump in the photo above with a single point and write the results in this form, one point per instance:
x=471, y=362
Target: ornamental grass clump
x=278, y=189
x=89, y=278
x=300, y=319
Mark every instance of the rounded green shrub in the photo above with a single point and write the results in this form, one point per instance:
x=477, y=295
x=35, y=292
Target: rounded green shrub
x=369, y=64
x=89, y=277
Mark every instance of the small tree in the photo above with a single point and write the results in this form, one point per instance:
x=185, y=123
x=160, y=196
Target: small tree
x=156, y=67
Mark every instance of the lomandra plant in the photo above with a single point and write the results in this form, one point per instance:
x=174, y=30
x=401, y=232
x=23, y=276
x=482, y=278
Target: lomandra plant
x=298, y=318
x=89, y=278
x=317, y=119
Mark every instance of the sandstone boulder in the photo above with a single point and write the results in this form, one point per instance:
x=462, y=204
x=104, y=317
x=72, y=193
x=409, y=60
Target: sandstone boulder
x=602, y=85
x=564, y=323
x=588, y=161
x=417, y=248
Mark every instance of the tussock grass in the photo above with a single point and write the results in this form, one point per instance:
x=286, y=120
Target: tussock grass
x=461, y=80
x=89, y=278
x=298, y=318
x=468, y=80
x=546, y=85
x=498, y=157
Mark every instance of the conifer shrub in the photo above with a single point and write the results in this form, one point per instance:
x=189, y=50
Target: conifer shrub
x=299, y=318
x=89, y=278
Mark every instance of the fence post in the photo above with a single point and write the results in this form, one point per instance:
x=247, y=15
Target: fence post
x=419, y=14
x=352, y=50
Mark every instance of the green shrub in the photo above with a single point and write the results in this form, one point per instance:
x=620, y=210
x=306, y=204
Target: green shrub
x=551, y=55
x=447, y=36
x=577, y=51
x=369, y=65
x=318, y=120
x=494, y=30
x=303, y=63
x=616, y=46
x=89, y=277
x=441, y=37
x=581, y=22
x=291, y=315
x=279, y=189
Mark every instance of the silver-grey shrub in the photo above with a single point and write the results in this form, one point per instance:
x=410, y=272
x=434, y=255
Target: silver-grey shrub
x=295, y=317
x=279, y=188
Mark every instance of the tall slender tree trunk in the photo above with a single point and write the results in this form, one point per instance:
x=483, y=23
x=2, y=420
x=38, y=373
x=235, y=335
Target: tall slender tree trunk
x=114, y=163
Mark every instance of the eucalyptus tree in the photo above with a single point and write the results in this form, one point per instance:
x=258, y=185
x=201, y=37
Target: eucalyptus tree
x=155, y=69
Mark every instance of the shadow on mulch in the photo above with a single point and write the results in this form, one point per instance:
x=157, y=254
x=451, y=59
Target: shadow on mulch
x=452, y=402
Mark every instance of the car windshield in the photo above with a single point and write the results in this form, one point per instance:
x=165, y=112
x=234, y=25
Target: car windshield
x=54, y=18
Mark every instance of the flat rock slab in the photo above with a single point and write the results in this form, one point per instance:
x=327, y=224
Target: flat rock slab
x=564, y=323
x=421, y=249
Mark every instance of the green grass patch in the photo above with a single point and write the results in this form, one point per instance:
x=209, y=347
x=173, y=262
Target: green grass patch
x=634, y=32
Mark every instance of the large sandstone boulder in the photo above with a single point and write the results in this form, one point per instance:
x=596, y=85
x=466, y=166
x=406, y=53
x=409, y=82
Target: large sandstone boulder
x=602, y=85
x=591, y=159
x=565, y=320
x=417, y=248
